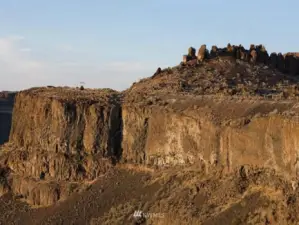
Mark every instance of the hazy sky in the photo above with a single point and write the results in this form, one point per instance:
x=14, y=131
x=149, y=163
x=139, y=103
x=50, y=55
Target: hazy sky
x=114, y=43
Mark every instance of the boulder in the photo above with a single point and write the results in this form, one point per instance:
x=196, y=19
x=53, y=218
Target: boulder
x=252, y=47
x=191, y=52
x=202, y=53
x=186, y=58
x=262, y=54
x=214, y=51
x=229, y=48
x=273, y=60
x=237, y=53
x=293, y=65
x=253, y=56
x=245, y=55
x=280, y=62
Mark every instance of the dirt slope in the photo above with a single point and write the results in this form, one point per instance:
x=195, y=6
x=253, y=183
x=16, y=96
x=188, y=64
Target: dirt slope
x=173, y=196
x=224, y=76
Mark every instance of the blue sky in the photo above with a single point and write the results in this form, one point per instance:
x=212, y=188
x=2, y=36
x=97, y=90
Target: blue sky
x=114, y=43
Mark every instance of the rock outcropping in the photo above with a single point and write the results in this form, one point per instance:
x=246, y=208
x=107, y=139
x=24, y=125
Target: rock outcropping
x=67, y=121
x=60, y=135
x=287, y=63
x=221, y=113
x=237, y=107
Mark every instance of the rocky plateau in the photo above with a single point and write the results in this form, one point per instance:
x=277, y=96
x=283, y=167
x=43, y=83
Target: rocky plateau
x=213, y=140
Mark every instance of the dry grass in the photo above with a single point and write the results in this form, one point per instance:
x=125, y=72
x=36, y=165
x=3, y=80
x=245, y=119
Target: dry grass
x=136, y=168
x=216, y=200
x=117, y=214
x=173, y=219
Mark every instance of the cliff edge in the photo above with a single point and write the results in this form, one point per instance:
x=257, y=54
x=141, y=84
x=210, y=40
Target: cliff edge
x=224, y=119
x=221, y=112
x=60, y=135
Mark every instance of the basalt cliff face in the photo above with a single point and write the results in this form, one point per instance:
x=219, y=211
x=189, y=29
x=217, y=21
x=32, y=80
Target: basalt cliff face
x=256, y=132
x=65, y=121
x=233, y=118
x=222, y=114
x=60, y=135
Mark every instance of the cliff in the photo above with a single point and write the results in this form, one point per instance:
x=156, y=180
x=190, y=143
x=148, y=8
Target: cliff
x=220, y=114
x=218, y=134
x=67, y=121
x=60, y=135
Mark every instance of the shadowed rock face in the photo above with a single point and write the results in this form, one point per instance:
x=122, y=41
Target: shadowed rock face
x=6, y=107
x=191, y=52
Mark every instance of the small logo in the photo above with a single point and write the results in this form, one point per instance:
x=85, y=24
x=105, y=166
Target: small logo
x=137, y=214
x=140, y=214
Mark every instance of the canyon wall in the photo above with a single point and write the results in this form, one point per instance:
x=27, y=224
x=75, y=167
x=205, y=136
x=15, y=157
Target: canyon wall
x=75, y=140
x=63, y=125
x=65, y=136
x=56, y=136
x=59, y=136
x=220, y=134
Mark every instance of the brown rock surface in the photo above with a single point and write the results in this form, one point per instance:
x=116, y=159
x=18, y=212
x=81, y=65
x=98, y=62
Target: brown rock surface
x=202, y=53
x=60, y=135
x=213, y=52
x=191, y=52
x=181, y=127
x=171, y=196
x=253, y=56
x=190, y=131
x=66, y=120
x=280, y=62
